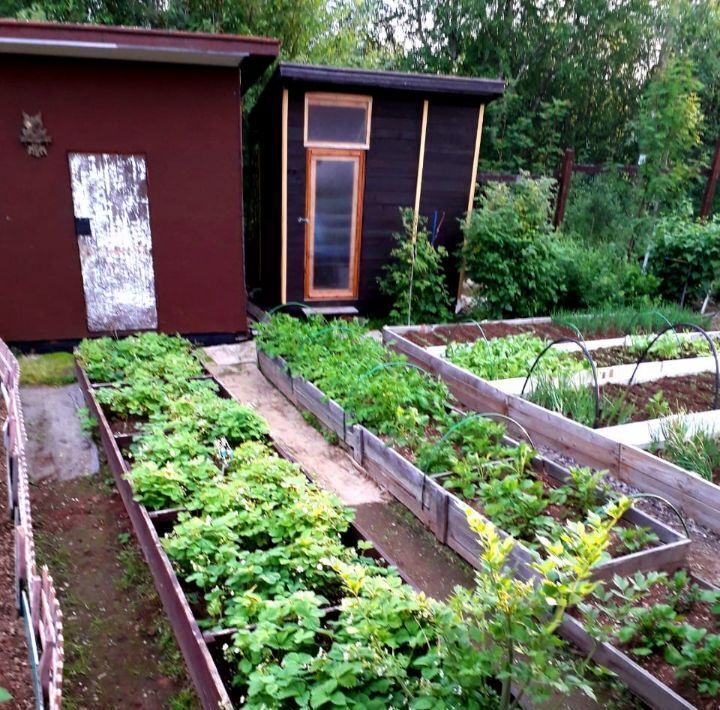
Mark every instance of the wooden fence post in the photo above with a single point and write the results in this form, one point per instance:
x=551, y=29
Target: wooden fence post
x=709, y=193
x=564, y=185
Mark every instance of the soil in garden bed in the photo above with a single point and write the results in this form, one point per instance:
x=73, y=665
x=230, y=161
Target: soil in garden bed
x=697, y=615
x=607, y=357
x=689, y=393
x=14, y=663
x=469, y=333
x=119, y=649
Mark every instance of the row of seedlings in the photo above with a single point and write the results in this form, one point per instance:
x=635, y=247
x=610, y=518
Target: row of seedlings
x=398, y=422
x=696, y=496
x=289, y=613
x=36, y=600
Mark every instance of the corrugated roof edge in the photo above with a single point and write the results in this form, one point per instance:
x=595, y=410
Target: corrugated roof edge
x=107, y=42
x=401, y=81
x=111, y=33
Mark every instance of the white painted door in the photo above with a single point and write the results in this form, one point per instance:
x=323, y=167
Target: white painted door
x=112, y=222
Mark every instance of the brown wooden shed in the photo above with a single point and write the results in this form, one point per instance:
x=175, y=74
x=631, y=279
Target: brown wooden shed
x=121, y=203
x=336, y=153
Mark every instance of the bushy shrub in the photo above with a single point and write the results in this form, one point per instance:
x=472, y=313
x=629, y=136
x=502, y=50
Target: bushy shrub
x=509, y=247
x=595, y=276
x=603, y=209
x=415, y=279
x=685, y=256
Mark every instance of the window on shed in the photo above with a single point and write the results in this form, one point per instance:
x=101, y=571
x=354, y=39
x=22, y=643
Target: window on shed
x=337, y=120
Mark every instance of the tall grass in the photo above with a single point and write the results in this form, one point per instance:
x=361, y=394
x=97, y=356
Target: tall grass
x=629, y=320
x=697, y=450
x=577, y=402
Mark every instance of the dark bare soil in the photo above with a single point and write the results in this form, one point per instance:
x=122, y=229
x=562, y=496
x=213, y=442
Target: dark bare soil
x=699, y=616
x=119, y=650
x=689, y=393
x=607, y=357
x=469, y=333
x=14, y=664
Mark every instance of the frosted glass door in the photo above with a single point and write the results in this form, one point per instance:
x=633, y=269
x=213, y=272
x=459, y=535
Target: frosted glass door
x=333, y=240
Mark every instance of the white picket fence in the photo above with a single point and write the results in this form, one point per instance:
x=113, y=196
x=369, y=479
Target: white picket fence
x=37, y=600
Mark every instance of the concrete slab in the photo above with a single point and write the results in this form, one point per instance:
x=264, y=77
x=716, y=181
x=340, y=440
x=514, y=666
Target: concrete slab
x=232, y=354
x=57, y=448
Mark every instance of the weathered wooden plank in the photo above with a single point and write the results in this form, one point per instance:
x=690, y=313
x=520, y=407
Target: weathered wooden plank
x=273, y=369
x=309, y=397
x=399, y=468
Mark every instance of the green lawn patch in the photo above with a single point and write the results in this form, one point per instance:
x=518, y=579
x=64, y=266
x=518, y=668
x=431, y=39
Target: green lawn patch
x=54, y=369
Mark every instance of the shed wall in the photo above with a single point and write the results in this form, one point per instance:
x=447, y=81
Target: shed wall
x=390, y=183
x=186, y=121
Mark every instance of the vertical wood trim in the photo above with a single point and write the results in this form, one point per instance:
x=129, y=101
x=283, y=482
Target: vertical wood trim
x=283, y=199
x=473, y=187
x=357, y=157
x=421, y=165
x=566, y=171
x=709, y=195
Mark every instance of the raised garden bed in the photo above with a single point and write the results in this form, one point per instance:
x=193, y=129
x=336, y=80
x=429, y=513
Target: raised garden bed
x=444, y=512
x=667, y=624
x=599, y=326
x=202, y=649
x=446, y=515
x=255, y=496
x=640, y=469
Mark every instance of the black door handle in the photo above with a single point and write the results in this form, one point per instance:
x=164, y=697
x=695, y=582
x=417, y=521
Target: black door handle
x=82, y=227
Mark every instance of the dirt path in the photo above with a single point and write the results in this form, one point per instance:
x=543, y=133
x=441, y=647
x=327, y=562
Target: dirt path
x=431, y=566
x=119, y=650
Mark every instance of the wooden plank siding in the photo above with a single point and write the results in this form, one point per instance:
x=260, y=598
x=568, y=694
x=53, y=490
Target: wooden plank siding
x=390, y=182
x=449, y=151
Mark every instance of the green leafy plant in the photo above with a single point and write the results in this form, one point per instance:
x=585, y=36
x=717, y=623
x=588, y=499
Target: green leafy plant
x=88, y=423
x=648, y=614
x=657, y=406
x=636, y=538
x=515, y=621
x=512, y=356
x=577, y=401
x=415, y=278
x=696, y=449
x=508, y=249
x=685, y=255
x=626, y=320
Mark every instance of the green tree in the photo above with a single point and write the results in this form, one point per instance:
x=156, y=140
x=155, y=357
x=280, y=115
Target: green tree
x=668, y=130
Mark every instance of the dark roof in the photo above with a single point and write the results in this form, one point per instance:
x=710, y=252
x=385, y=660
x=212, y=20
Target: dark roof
x=487, y=89
x=252, y=54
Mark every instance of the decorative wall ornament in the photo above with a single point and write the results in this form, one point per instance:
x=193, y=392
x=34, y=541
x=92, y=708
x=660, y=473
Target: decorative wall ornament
x=34, y=136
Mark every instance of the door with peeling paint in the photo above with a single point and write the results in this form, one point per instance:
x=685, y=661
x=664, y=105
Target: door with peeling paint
x=112, y=222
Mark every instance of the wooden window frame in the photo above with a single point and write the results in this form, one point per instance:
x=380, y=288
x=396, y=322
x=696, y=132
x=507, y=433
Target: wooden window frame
x=319, y=98
x=323, y=294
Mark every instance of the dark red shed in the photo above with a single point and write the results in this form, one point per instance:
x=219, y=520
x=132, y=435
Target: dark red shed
x=121, y=179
